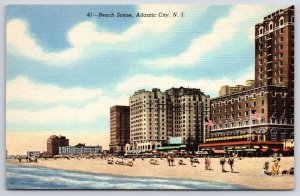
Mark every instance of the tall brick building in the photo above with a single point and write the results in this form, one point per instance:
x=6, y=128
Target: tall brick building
x=271, y=98
x=119, y=128
x=54, y=142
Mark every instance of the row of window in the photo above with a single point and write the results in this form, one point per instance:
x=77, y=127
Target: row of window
x=272, y=25
x=247, y=123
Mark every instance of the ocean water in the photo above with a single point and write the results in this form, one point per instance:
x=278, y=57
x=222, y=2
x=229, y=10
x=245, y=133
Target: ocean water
x=27, y=177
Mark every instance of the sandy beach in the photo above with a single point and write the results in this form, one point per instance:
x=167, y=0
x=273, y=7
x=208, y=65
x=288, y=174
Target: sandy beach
x=250, y=172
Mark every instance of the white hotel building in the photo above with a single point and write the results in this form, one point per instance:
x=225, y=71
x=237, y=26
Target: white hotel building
x=156, y=116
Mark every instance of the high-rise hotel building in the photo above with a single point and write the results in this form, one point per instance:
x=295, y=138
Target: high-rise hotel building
x=156, y=116
x=271, y=99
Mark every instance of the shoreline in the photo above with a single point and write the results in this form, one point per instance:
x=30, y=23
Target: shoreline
x=240, y=187
x=247, y=178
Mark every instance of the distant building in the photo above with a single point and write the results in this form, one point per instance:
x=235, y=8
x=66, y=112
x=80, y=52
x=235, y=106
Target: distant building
x=226, y=89
x=33, y=153
x=79, y=149
x=261, y=116
x=119, y=128
x=54, y=142
x=155, y=116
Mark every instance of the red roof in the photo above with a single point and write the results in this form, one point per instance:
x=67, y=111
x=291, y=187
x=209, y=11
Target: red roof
x=238, y=143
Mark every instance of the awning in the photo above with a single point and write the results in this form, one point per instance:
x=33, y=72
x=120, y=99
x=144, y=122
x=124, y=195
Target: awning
x=256, y=147
x=275, y=149
x=285, y=149
x=264, y=146
x=229, y=148
x=219, y=151
x=264, y=149
x=244, y=147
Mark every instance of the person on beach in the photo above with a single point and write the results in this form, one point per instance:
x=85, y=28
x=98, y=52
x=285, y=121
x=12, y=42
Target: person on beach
x=207, y=163
x=169, y=160
x=231, y=163
x=191, y=160
x=172, y=161
x=222, y=162
x=20, y=159
x=266, y=169
x=276, y=167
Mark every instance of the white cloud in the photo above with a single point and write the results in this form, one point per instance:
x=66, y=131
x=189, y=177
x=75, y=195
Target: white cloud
x=208, y=86
x=94, y=103
x=23, y=89
x=223, y=30
x=86, y=33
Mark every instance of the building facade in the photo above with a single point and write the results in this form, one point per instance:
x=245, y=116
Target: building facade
x=261, y=116
x=119, y=128
x=226, y=89
x=156, y=116
x=54, y=142
x=79, y=149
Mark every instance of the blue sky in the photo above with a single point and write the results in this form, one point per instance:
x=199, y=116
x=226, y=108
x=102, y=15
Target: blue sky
x=64, y=69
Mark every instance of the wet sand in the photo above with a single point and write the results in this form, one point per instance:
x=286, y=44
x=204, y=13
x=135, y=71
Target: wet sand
x=250, y=172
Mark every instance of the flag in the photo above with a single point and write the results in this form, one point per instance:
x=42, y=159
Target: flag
x=208, y=122
x=256, y=115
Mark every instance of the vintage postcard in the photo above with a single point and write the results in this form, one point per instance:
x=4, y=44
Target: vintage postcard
x=150, y=97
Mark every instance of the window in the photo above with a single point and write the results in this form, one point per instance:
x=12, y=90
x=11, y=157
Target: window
x=283, y=121
x=261, y=94
x=281, y=30
x=239, y=107
x=239, y=123
x=270, y=26
x=273, y=120
x=280, y=79
x=261, y=30
x=254, y=104
x=282, y=136
x=254, y=96
x=281, y=47
x=273, y=135
x=281, y=21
